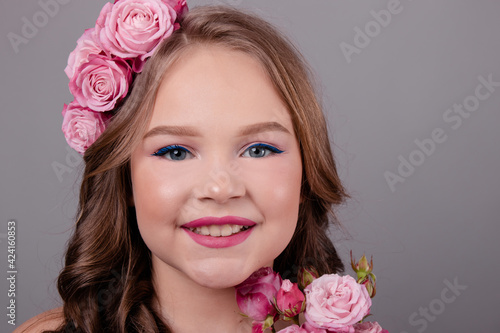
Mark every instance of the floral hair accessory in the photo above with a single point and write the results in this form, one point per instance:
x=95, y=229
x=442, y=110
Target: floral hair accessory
x=107, y=59
x=329, y=303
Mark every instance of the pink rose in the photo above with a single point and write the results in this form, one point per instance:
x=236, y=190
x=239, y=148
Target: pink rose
x=258, y=327
x=180, y=6
x=255, y=295
x=101, y=82
x=293, y=329
x=290, y=301
x=133, y=29
x=368, y=327
x=336, y=303
x=82, y=127
x=86, y=45
x=311, y=329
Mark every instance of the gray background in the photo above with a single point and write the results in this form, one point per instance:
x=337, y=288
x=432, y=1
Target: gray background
x=440, y=224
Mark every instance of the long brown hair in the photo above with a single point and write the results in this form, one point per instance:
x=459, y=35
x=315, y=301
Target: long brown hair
x=106, y=282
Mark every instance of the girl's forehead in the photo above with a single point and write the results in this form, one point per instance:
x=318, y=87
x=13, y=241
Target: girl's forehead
x=214, y=81
x=203, y=64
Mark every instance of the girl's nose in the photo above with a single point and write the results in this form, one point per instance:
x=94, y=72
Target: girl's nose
x=221, y=183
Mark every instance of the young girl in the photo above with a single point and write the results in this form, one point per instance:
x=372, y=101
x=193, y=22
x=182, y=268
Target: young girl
x=216, y=164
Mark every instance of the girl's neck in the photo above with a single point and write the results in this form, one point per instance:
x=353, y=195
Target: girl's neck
x=188, y=307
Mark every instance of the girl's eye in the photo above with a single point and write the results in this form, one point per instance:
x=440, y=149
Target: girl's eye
x=174, y=153
x=260, y=150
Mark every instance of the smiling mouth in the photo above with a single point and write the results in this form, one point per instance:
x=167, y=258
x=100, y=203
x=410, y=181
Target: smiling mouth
x=219, y=230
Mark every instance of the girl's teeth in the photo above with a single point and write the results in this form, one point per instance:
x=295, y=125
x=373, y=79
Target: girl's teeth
x=204, y=230
x=219, y=230
x=214, y=230
x=226, y=230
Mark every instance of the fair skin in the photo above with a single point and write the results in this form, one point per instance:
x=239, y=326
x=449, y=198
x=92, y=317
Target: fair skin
x=232, y=152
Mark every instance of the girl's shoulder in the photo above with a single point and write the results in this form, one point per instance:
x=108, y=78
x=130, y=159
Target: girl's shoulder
x=46, y=321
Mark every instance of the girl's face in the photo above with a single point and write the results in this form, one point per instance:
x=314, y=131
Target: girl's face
x=216, y=179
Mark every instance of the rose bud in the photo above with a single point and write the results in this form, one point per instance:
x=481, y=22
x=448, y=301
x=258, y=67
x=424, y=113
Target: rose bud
x=290, y=301
x=370, y=286
x=362, y=266
x=363, y=270
x=255, y=295
x=306, y=276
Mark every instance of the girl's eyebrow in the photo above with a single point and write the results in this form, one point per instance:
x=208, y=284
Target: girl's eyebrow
x=172, y=130
x=263, y=127
x=191, y=131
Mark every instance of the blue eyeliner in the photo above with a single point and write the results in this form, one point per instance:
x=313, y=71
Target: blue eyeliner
x=179, y=149
x=163, y=151
x=263, y=145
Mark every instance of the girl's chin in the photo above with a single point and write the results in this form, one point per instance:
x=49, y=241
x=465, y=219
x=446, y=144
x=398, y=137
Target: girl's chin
x=220, y=280
x=221, y=277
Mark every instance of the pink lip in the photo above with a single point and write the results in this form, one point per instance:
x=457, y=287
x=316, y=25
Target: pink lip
x=221, y=241
x=210, y=220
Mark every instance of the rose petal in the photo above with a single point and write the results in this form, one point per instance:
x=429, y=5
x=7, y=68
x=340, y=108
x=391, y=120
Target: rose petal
x=81, y=126
x=336, y=302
